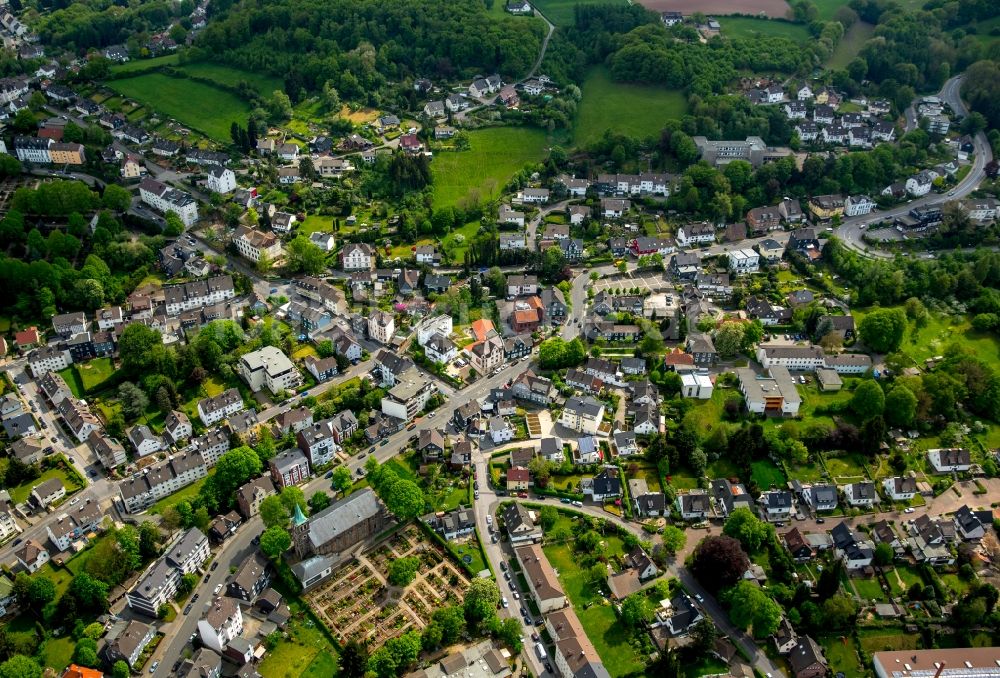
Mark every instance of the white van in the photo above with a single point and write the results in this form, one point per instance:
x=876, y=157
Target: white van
x=540, y=651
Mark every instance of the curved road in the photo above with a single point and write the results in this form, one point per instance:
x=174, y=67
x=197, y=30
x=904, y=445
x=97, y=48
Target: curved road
x=545, y=45
x=851, y=231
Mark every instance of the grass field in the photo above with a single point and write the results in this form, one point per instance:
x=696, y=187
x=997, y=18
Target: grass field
x=560, y=12
x=143, y=64
x=881, y=640
x=57, y=653
x=845, y=469
x=766, y=474
x=609, y=637
x=850, y=45
x=841, y=654
x=749, y=27
x=194, y=104
x=480, y=173
x=306, y=653
x=226, y=75
x=869, y=589
x=636, y=110
x=315, y=222
x=20, y=493
x=183, y=494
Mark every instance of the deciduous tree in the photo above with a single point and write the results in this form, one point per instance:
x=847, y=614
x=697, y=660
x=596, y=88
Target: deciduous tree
x=750, y=606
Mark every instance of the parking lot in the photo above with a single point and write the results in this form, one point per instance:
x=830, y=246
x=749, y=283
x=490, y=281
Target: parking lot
x=654, y=281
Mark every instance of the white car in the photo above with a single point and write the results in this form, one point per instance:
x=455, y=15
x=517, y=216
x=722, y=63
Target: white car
x=217, y=589
x=909, y=510
x=489, y=520
x=504, y=601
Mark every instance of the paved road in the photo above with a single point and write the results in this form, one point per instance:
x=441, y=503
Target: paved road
x=178, y=632
x=532, y=234
x=852, y=230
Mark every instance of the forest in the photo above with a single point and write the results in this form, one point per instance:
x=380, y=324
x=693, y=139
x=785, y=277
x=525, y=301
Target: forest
x=360, y=46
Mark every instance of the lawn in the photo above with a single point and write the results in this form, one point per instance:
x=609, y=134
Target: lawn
x=226, y=75
x=651, y=475
x=850, y=45
x=59, y=576
x=560, y=12
x=315, y=222
x=470, y=549
x=196, y=105
x=307, y=653
x=636, y=110
x=869, y=589
x=184, y=494
x=722, y=468
x=751, y=27
x=609, y=637
x=905, y=574
x=887, y=639
x=73, y=380
x=939, y=332
x=708, y=666
x=841, y=654
x=92, y=374
x=480, y=173
x=20, y=493
x=143, y=64
x=808, y=473
x=958, y=585
x=462, y=237
x=57, y=653
x=766, y=475
x=845, y=469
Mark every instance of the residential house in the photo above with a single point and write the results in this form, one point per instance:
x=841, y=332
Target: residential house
x=250, y=495
x=221, y=623
x=31, y=556
x=777, y=504
x=288, y=468
x=520, y=524
x=972, y=525
x=251, y=578
x=860, y=494
x=949, y=460
x=900, y=488
x=603, y=486
x=807, y=659
x=701, y=347
x=695, y=234
x=797, y=545
x=357, y=257
x=214, y=409
x=543, y=584
x=858, y=205
x=268, y=367
x=518, y=479
x=729, y=496
x=763, y=219
x=583, y=415
x=130, y=643
x=695, y=505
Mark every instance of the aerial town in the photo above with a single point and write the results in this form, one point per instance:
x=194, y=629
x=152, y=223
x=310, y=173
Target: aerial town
x=551, y=338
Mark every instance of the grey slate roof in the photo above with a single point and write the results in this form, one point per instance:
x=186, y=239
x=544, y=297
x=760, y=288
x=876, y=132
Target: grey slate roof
x=341, y=516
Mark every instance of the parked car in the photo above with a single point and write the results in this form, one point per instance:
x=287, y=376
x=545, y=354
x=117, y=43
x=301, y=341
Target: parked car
x=153, y=667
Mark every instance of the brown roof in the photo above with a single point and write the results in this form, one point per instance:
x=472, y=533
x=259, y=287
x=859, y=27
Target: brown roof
x=518, y=474
x=539, y=572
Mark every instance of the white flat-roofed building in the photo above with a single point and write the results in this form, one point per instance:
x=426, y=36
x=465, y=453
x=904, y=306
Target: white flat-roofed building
x=775, y=394
x=269, y=367
x=744, y=261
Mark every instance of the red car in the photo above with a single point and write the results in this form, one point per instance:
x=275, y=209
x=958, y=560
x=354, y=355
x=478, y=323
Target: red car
x=522, y=495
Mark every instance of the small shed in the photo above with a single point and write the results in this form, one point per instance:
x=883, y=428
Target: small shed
x=828, y=380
